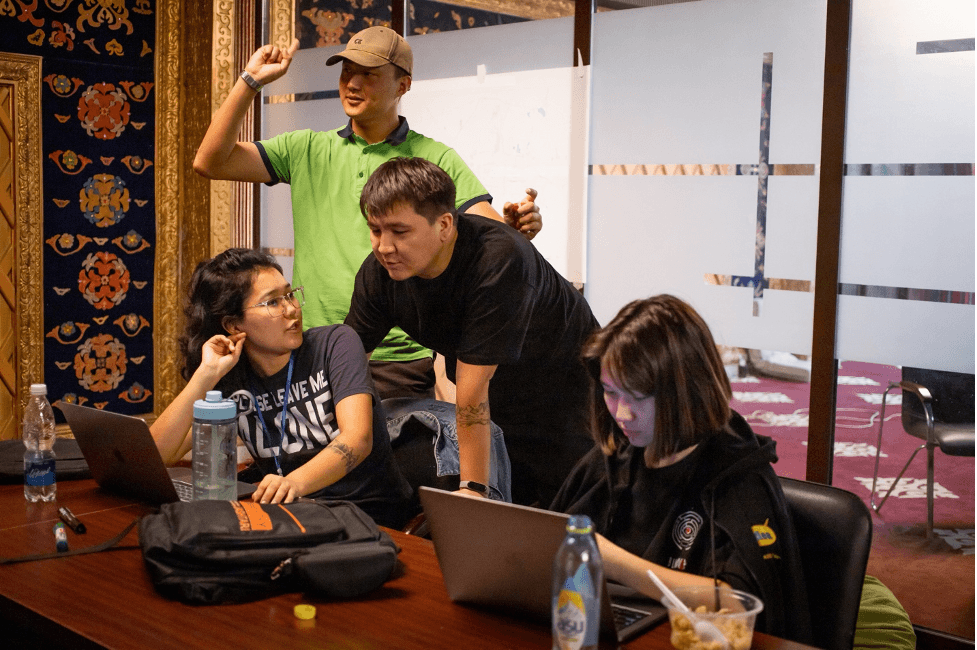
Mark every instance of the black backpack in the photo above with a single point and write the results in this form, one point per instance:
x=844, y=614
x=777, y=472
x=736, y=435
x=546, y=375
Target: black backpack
x=209, y=552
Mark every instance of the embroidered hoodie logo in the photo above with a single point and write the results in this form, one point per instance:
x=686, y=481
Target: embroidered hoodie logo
x=764, y=534
x=686, y=529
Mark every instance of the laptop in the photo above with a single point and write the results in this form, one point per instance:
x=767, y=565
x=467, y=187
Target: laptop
x=500, y=555
x=123, y=457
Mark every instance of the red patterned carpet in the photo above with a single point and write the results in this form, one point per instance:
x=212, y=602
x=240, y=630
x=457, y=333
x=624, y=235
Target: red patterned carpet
x=933, y=580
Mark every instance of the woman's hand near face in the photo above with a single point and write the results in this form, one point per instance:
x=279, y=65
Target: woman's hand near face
x=171, y=430
x=220, y=353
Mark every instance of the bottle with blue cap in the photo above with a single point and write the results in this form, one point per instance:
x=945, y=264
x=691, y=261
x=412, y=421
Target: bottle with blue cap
x=214, y=448
x=578, y=579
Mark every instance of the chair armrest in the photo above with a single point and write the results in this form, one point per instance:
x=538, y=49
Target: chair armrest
x=926, y=400
x=922, y=392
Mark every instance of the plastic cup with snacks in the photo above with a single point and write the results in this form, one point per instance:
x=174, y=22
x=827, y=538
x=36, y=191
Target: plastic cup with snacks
x=735, y=617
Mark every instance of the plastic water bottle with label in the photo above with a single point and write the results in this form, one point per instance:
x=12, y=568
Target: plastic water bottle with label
x=39, y=479
x=578, y=578
x=214, y=448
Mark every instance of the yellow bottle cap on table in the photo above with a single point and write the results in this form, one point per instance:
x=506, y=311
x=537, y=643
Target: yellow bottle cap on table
x=304, y=612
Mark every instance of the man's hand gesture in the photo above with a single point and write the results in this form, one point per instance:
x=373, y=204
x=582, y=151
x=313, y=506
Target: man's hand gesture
x=524, y=216
x=270, y=62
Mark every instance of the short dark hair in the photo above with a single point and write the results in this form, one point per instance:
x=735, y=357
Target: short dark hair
x=660, y=346
x=217, y=290
x=414, y=182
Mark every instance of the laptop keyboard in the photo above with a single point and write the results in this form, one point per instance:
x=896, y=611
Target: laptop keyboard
x=184, y=490
x=625, y=616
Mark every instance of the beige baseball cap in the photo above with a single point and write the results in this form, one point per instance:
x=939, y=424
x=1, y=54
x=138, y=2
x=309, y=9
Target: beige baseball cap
x=376, y=46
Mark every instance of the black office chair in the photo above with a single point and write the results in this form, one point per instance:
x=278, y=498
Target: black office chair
x=937, y=408
x=834, y=531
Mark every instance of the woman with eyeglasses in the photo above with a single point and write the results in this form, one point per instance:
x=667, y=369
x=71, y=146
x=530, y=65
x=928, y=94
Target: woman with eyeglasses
x=678, y=483
x=307, y=409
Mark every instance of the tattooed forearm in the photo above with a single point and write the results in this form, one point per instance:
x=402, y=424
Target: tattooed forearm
x=472, y=415
x=346, y=452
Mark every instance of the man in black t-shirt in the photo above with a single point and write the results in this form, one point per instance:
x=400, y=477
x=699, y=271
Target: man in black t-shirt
x=509, y=326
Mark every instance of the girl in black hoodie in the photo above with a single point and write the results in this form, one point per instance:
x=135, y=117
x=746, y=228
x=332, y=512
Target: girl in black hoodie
x=678, y=482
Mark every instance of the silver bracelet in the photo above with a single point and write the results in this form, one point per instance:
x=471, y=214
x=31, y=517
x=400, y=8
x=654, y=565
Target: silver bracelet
x=251, y=81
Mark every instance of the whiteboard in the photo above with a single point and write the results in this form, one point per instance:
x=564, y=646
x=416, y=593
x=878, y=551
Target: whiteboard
x=517, y=130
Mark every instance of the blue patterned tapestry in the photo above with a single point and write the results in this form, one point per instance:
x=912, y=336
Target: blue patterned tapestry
x=319, y=23
x=99, y=133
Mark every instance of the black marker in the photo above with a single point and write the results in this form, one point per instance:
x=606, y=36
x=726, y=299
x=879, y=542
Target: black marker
x=69, y=518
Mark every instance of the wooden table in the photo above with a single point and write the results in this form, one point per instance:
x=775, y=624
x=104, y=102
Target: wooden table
x=105, y=600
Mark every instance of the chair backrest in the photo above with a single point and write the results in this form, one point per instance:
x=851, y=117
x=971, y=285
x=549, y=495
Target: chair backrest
x=953, y=396
x=834, y=530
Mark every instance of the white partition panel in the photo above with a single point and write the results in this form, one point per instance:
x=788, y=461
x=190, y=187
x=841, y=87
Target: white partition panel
x=705, y=131
x=907, y=254
x=504, y=97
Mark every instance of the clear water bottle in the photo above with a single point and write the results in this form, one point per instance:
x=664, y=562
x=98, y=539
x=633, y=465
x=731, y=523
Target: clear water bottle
x=39, y=480
x=578, y=578
x=214, y=448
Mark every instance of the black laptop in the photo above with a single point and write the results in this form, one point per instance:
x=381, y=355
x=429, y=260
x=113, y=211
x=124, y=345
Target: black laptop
x=123, y=457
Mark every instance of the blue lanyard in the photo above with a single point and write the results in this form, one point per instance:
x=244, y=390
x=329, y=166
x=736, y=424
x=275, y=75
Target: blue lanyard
x=261, y=417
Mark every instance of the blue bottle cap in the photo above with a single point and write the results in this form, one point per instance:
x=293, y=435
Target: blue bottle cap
x=579, y=524
x=214, y=407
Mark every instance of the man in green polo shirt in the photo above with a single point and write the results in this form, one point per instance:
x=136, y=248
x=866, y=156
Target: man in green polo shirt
x=326, y=172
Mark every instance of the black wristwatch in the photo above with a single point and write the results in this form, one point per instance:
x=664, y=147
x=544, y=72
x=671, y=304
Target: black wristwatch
x=474, y=486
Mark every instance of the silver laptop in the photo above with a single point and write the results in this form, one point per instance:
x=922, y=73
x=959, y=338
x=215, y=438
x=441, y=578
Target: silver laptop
x=123, y=458
x=500, y=555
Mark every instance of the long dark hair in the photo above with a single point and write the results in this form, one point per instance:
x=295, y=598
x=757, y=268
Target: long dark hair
x=660, y=346
x=217, y=290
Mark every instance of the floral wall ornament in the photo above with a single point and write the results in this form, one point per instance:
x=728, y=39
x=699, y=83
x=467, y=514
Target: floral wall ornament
x=103, y=280
x=103, y=111
x=329, y=25
x=111, y=12
x=100, y=364
x=37, y=38
x=27, y=10
x=104, y=200
x=67, y=244
x=68, y=332
x=131, y=324
x=57, y=6
x=62, y=34
x=138, y=92
x=136, y=394
x=68, y=161
x=61, y=85
x=143, y=7
x=73, y=398
x=131, y=243
x=137, y=164
x=114, y=48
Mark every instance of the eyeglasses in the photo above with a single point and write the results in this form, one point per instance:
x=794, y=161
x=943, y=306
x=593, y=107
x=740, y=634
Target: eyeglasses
x=279, y=304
